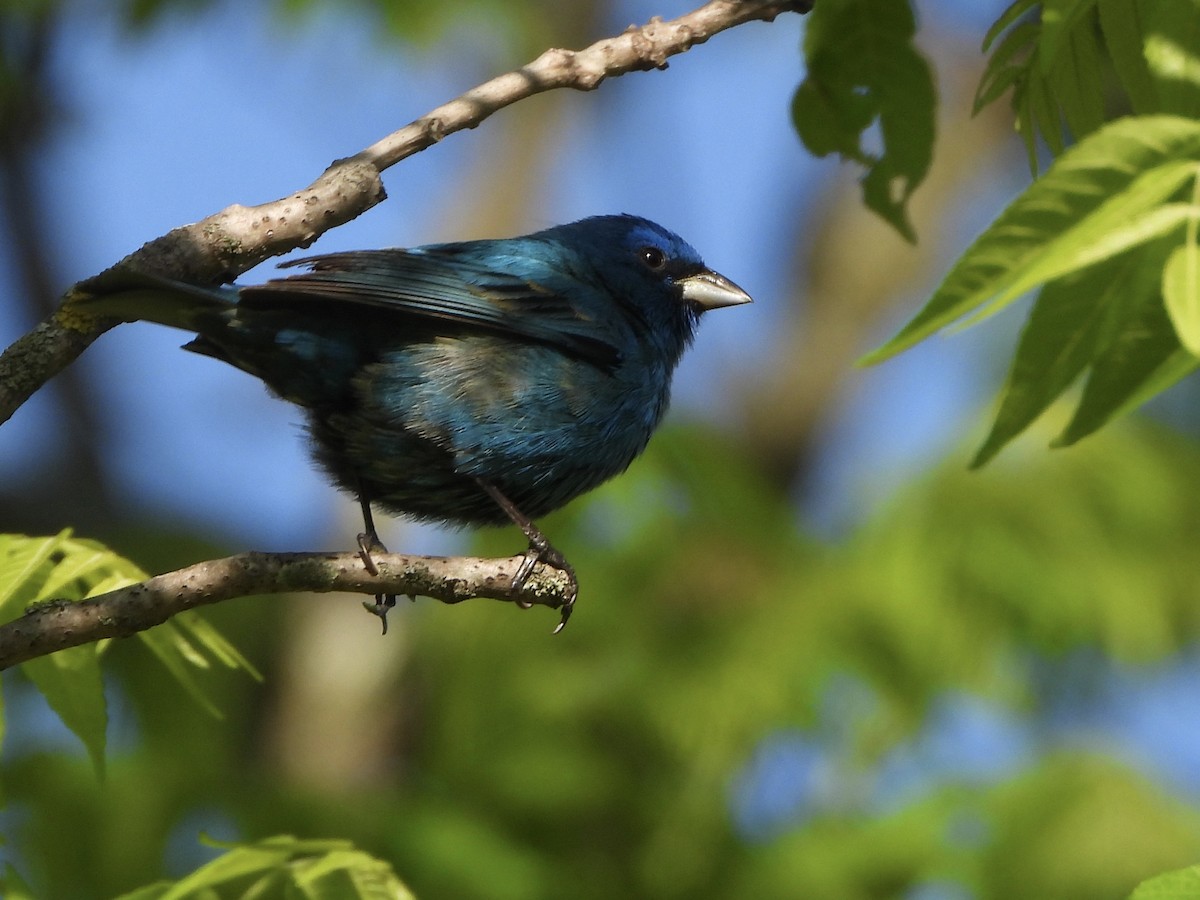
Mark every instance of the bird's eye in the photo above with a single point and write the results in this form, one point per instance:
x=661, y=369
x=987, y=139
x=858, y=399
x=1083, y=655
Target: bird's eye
x=653, y=257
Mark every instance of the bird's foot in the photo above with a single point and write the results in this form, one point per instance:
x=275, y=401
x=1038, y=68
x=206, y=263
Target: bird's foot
x=541, y=550
x=382, y=605
x=368, y=543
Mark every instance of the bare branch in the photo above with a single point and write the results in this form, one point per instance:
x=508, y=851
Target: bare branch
x=638, y=49
x=57, y=625
x=222, y=246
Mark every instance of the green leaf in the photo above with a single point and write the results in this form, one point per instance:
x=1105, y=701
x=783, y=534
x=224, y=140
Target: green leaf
x=283, y=866
x=831, y=124
x=1055, y=65
x=1070, y=321
x=1096, y=201
x=347, y=873
x=1007, y=18
x=66, y=569
x=1061, y=20
x=1075, y=76
x=181, y=645
x=1122, y=23
x=1172, y=48
x=1142, y=359
x=202, y=632
x=1006, y=64
x=1181, y=292
x=91, y=565
x=1120, y=224
x=1183, y=884
x=1025, y=128
x=71, y=683
x=1181, y=280
x=862, y=70
x=1040, y=98
x=34, y=570
x=1121, y=385
x=179, y=658
x=22, y=565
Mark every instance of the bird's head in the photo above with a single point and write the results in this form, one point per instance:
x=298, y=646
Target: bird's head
x=654, y=274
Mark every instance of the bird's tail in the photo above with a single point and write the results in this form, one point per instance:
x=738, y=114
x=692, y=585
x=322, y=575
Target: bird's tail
x=139, y=296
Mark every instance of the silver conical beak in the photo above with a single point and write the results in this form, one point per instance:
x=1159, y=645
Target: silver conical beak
x=708, y=290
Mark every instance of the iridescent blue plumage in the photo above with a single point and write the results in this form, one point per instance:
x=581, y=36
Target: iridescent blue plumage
x=441, y=381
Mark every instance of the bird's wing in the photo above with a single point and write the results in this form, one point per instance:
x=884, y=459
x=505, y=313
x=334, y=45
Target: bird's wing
x=447, y=286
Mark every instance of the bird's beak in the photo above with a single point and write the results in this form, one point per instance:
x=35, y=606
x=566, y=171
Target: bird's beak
x=708, y=290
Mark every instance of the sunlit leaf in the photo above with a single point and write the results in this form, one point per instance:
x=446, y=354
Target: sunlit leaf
x=285, y=867
x=1096, y=201
x=1143, y=359
x=1172, y=47
x=1056, y=56
x=203, y=633
x=22, y=569
x=32, y=571
x=1182, y=884
x=1069, y=322
x=1181, y=292
x=65, y=569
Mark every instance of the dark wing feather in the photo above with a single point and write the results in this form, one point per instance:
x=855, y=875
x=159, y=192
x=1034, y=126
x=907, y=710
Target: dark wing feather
x=442, y=286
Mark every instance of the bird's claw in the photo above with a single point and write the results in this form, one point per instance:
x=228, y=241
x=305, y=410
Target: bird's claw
x=382, y=605
x=368, y=543
x=568, y=606
x=542, y=551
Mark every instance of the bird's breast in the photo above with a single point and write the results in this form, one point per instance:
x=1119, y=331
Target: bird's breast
x=500, y=405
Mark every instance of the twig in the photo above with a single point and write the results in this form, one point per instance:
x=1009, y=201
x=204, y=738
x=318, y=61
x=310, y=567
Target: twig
x=638, y=49
x=58, y=625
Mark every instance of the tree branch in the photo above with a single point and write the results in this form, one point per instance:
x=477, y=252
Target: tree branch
x=637, y=50
x=60, y=624
x=222, y=246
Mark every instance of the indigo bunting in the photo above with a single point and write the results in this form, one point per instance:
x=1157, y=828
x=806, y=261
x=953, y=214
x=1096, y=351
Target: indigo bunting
x=467, y=383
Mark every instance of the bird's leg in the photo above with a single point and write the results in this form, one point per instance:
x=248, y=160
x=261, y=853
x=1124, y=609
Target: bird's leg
x=540, y=550
x=369, y=542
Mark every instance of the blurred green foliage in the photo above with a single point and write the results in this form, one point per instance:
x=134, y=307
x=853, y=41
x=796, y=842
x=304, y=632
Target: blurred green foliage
x=604, y=762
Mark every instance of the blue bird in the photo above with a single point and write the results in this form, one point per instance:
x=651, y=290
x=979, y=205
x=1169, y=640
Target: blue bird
x=469, y=383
